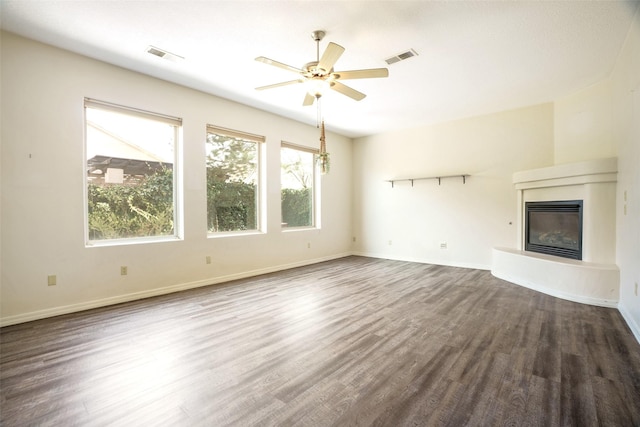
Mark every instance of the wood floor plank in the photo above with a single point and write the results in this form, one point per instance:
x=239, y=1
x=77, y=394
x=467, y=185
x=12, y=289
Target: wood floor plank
x=354, y=341
x=578, y=403
x=603, y=389
x=543, y=406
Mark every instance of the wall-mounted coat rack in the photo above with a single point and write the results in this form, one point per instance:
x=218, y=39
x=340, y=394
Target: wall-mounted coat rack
x=439, y=178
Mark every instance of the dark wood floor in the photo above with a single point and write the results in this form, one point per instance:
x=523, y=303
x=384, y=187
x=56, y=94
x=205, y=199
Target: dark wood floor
x=354, y=341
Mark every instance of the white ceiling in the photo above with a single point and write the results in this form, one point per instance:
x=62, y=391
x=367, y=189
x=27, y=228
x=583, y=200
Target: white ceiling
x=474, y=57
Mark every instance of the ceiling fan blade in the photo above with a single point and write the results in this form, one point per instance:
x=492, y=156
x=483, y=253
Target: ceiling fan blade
x=290, y=82
x=346, y=90
x=361, y=74
x=331, y=54
x=308, y=100
x=278, y=64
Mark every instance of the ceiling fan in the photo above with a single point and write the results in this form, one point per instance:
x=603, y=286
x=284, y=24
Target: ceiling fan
x=319, y=75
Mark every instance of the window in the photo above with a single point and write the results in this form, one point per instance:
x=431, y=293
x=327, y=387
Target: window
x=297, y=177
x=233, y=178
x=130, y=178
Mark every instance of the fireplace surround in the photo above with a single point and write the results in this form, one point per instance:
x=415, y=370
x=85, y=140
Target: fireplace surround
x=594, y=278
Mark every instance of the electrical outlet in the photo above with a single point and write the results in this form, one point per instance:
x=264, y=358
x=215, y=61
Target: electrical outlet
x=308, y=245
x=123, y=270
x=51, y=281
x=443, y=245
x=208, y=259
x=390, y=242
x=353, y=239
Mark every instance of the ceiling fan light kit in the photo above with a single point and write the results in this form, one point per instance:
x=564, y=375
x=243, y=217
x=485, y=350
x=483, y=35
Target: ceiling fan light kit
x=316, y=86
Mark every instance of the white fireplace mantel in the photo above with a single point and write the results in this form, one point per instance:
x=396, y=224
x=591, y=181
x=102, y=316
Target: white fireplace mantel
x=595, y=279
x=593, y=171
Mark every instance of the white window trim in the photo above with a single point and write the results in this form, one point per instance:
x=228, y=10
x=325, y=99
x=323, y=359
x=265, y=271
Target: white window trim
x=178, y=204
x=261, y=190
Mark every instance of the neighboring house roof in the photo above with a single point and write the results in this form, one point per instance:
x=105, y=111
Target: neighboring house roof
x=97, y=165
x=108, y=150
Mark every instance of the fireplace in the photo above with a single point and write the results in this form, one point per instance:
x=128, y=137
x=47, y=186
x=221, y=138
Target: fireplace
x=554, y=228
x=591, y=276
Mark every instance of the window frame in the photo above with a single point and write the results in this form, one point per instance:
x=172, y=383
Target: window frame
x=176, y=122
x=315, y=190
x=260, y=156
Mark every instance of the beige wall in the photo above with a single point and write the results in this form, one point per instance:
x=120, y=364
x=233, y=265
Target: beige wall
x=471, y=218
x=583, y=125
x=625, y=83
x=42, y=189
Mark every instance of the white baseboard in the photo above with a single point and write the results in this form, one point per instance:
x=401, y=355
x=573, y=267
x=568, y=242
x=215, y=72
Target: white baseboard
x=424, y=261
x=635, y=328
x=103, y=302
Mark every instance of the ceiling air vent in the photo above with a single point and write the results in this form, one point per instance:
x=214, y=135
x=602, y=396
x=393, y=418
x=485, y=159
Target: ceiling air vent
x=401, y=56
x=164, y=54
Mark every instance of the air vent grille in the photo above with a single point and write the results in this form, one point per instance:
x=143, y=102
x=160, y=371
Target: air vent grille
x=157, y=52
x=164, y=54
x=401, y=56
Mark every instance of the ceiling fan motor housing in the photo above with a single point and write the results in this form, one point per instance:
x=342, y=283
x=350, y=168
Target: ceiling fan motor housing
x=312, y=70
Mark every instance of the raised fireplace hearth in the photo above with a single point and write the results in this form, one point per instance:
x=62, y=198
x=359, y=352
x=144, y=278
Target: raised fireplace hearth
x=554, y=228
x=565, y=233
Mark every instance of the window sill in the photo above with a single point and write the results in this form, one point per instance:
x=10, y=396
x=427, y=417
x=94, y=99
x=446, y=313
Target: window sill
x=294, y=229
x=222, y=234
x=131, y=241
